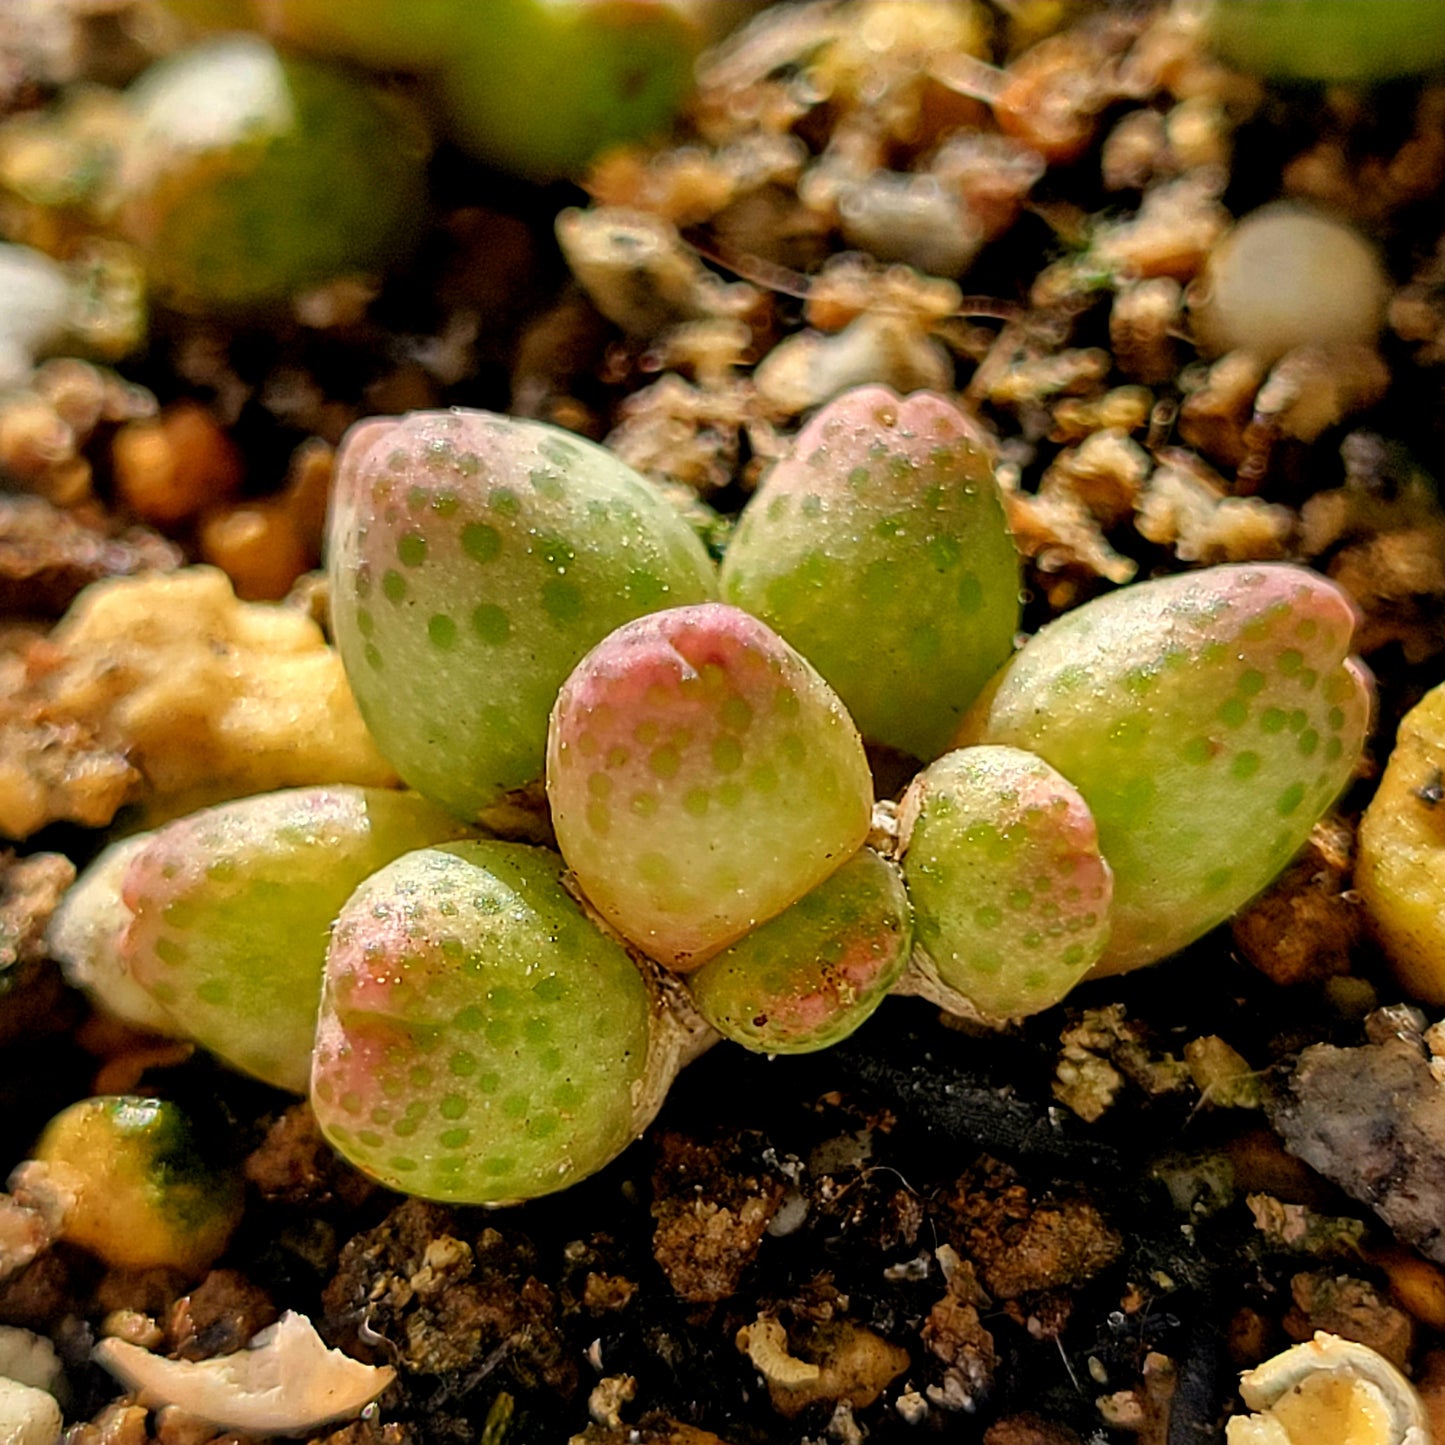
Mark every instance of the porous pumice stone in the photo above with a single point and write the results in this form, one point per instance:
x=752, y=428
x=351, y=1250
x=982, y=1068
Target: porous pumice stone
x=1208, y=720
x=474, y=559
x=1329, y=1391
x=227, y=913
x=1010, y=894
x=1285, y=276
x=808, y=978
x=1400, y=867
x=481, y=1040
x=702, y=777
x=28, y=1416
x=878, y=547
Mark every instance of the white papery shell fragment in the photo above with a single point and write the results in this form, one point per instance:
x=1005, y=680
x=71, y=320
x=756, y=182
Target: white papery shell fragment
x=1329, y=1391
x=285, y=1382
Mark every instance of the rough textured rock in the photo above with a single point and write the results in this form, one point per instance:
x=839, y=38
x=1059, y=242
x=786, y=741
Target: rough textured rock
x=1020, y=1243
x=444, y=1304
x=1372, y=1119
x=712, y=1208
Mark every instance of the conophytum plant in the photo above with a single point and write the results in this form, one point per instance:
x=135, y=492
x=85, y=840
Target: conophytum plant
x=530, y=625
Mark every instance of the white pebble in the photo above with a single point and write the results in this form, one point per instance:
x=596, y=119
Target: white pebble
x=1288, y=276
x=910, y=219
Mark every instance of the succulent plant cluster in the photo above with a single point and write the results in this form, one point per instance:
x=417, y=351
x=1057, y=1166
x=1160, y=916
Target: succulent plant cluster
x=278, y=153
x=518, y=611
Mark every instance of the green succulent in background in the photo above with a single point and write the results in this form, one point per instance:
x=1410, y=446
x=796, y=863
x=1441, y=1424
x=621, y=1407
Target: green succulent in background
x=249, y=175
x=1330, y=40
x=541, y=87
x=536, y=87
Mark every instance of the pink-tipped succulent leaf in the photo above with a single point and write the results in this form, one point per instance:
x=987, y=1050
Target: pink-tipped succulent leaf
x=702, y=777
x=229, y=908
x=1208, y=719
x=1010, y=894
x=481, y=1040
x=474, y=560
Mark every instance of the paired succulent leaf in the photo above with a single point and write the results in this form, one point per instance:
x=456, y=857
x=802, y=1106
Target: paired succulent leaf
x=702, y=777
x=1208, y=719
x=808, y=978
x=878, y=547
x=474, y=560
x=1010, y=893
x=226, y=913
x=481, y=1039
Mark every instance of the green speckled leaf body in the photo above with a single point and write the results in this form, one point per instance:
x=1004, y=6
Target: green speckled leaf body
x=808, y=978
x=1208, y=719
x=878, y=547
x=1010, y=893
x=230, y=909
x=481, y=1039
x=702, y=777
x=474, y=560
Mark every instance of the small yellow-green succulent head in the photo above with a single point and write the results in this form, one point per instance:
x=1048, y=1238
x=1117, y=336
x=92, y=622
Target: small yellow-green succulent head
x=144, y=1193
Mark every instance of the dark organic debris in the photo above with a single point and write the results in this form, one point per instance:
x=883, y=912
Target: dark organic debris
x=1372, y=1119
